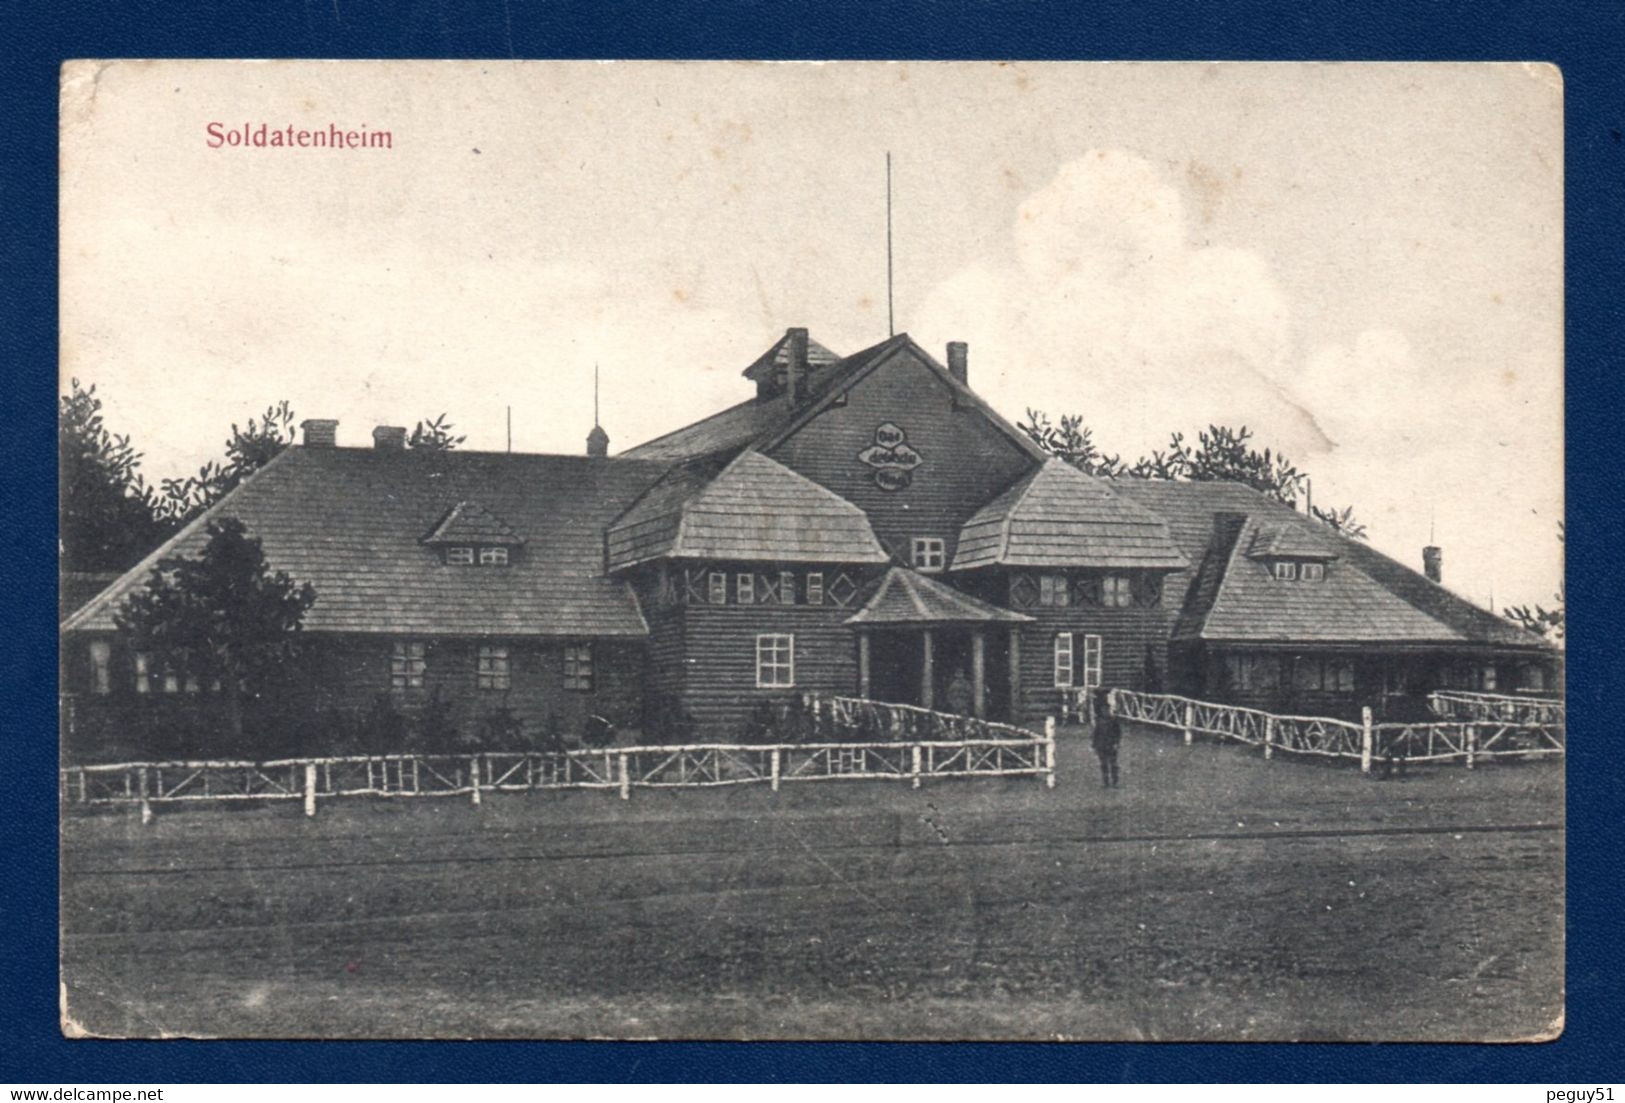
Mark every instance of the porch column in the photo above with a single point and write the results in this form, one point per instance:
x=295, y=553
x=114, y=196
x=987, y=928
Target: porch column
x=1015, y=675
x=927, y=671
x=978, y=674
x=863, y=663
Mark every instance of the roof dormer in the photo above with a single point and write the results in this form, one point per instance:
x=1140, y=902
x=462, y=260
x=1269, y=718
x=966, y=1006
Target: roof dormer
x=470, y=535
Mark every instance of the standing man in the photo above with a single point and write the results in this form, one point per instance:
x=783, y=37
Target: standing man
x=1107, y=735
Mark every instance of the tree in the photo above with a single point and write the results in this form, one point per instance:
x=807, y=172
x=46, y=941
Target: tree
x=1220, y=453
x=109, y=517
x=434, y=436
x=249, y=448
x=1071, y=441
x=222, y=616
x=1551, y=623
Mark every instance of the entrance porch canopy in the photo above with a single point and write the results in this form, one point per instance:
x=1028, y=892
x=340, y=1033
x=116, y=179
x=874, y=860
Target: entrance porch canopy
x=908, y=599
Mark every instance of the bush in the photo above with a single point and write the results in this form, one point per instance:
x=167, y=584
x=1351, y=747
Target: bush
x=597, y=732
x=433, y=729
x=501, y=730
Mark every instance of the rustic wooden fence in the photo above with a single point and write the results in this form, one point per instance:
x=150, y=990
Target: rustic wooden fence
x=1468, y=742
x=1456, y=704
x=910, y=745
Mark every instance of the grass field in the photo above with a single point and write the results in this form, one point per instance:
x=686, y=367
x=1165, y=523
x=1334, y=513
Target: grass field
x=1213, y=896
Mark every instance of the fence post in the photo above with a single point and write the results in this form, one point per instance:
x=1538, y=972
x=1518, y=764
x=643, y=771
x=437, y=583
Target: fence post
x=1365, y=739
x=474, y=777
x=916, y=774
x=626, y=779
x=1049, y=752
x=1471, y=731
x=146, y=805
x=84, y=794
x=775, y=769
x=1269, y=736
x=1190, y=721
x=310, y=788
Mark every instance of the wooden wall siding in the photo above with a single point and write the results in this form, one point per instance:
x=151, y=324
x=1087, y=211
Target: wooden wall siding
x=1126, y=637
x=966, y=459
x=348, y=673
x=719, y=688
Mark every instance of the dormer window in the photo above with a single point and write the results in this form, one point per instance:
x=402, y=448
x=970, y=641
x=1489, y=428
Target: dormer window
x=470, y=535
x=1298, y=570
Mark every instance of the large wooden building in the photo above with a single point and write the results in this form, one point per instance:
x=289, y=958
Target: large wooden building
x=859, y=525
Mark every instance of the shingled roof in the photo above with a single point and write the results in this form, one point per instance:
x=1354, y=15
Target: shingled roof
x=1059, y=517
x=907, y=597
x=753, y=508
x=1275, y=540
x=471, y=523
x=1194, y=509
x=350, y=522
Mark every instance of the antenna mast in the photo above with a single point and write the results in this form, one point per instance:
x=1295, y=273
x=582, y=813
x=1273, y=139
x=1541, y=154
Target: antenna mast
x=510, y=428
x=595, y=392
x=891, y=317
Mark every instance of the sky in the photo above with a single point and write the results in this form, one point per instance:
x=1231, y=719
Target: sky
x=1361, y=263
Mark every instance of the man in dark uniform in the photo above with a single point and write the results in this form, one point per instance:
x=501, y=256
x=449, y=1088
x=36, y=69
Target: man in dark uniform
x=1107, y=735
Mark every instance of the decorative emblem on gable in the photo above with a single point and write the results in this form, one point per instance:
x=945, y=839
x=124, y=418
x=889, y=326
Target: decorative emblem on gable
x=891, y=456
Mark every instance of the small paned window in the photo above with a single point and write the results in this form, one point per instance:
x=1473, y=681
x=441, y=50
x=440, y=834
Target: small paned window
x=143, y=672
x=775, y=661
x=1311, y=572
x=172, y=677
x=815, y=587
x=494, y=557
x=787, y=587
x=1253, y=672
x=460, y=556
x=745, y=589
x=1286, y=571
x=1117, y=591
x=407, y=661
x=578, y=666
x=1053, y=590
x=718, y=592
x=1488, y=679
x=930, y=552
x=1091, y=661
x=1063, y=660
x=101, y=666
x=494, y=671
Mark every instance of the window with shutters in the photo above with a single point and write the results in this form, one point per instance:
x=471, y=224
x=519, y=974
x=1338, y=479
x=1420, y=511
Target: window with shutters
x=1117, y=591
x=787, y=588
x=775, y=661
x=718, y=588
x=578, y=666
x=1091, y=661
x=493, y=670
x=1054, y=590
x=143, y=671
x=745, y=589
x=407, y=662
x=815, y=587
x=1063, y=660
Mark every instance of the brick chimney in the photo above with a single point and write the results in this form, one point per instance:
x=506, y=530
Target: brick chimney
x=795, y=370
x=598, y=442
x=320, y=432
x=958, y=365
x=389, y=438
x=1431, y=563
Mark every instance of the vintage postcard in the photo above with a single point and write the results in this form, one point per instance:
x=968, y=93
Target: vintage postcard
x=816, y=551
